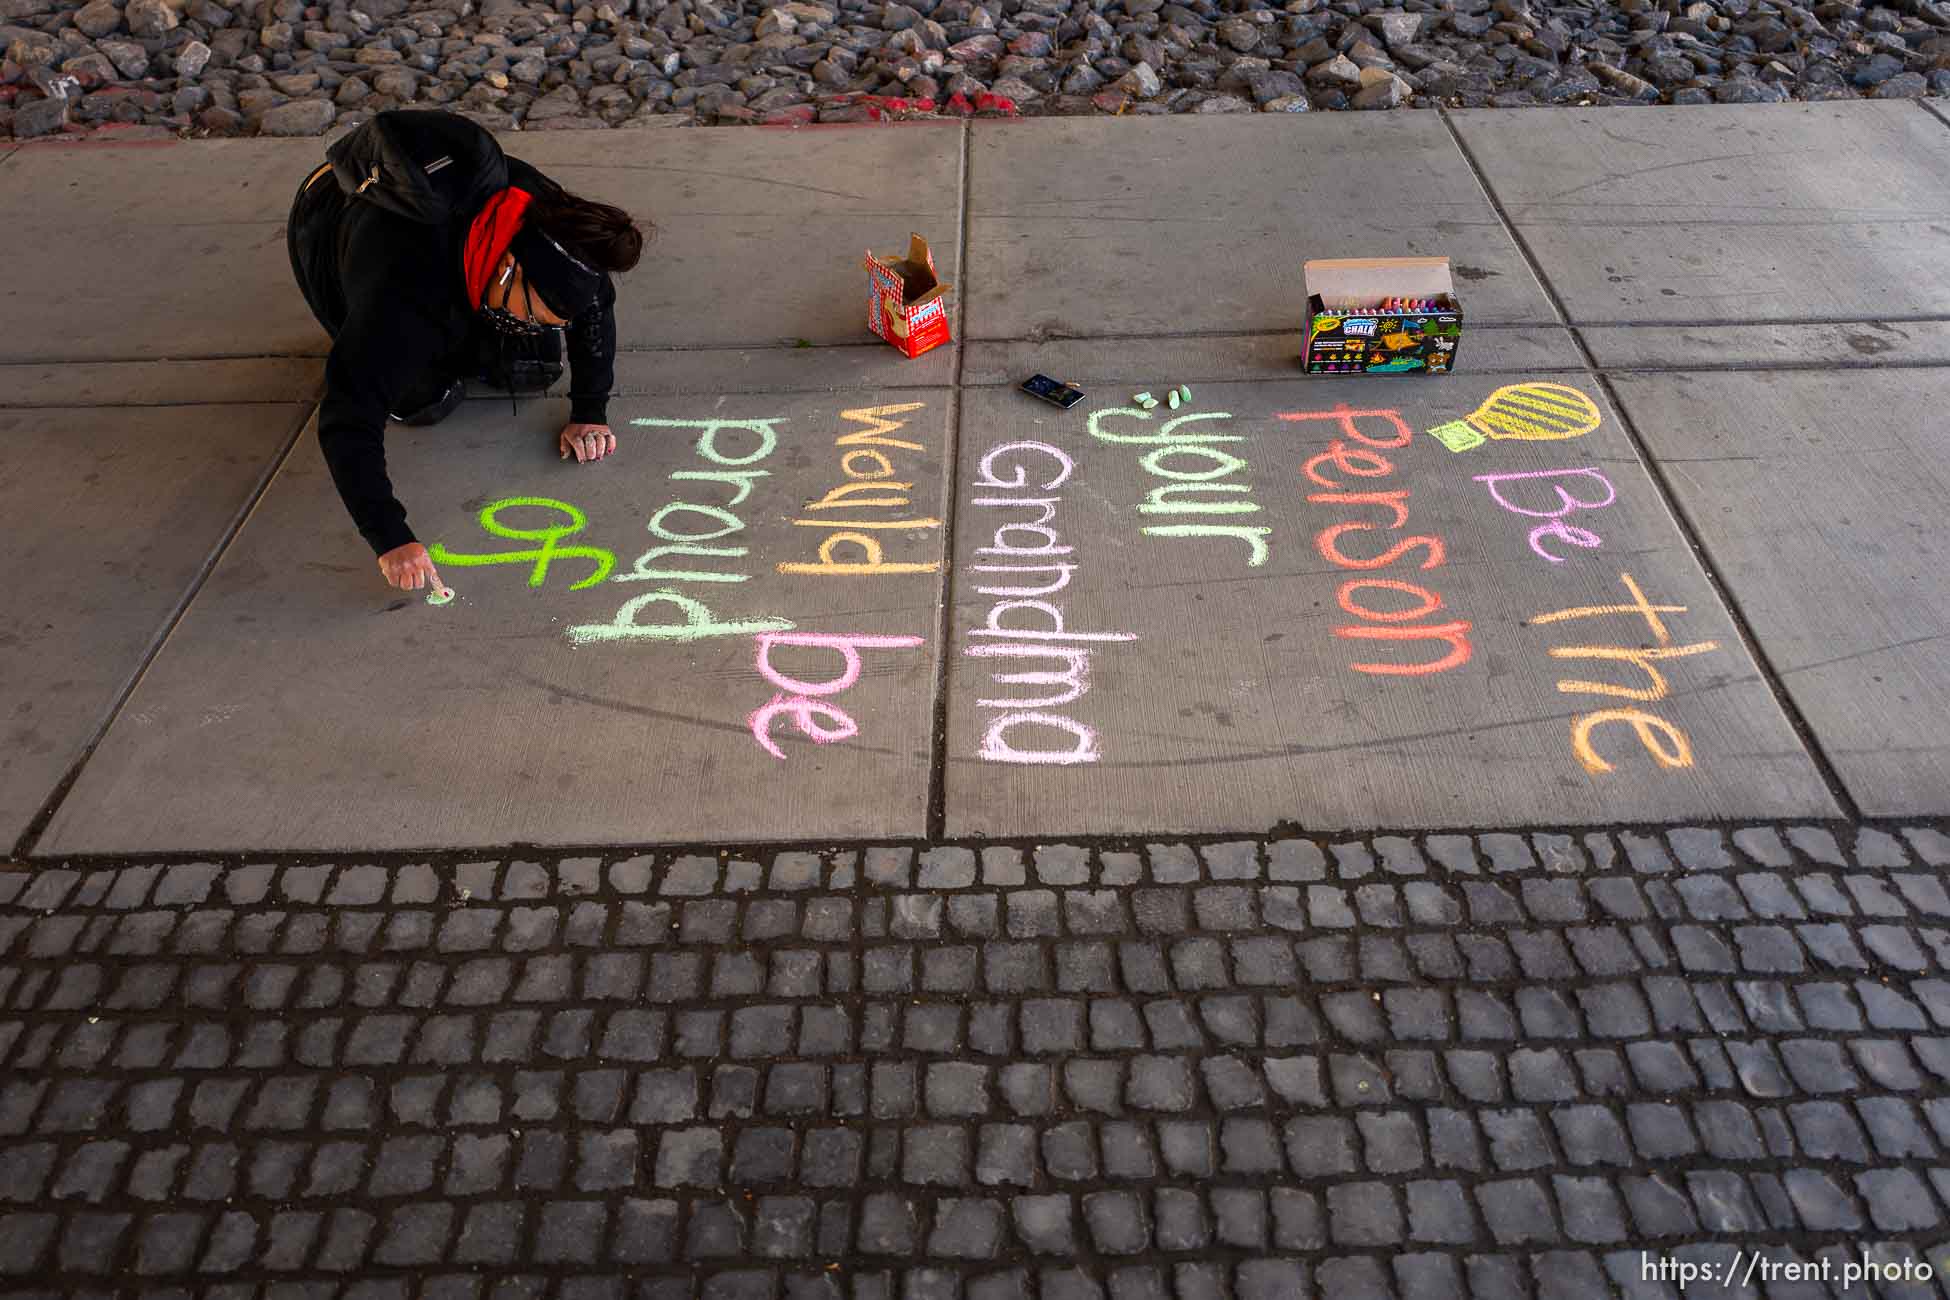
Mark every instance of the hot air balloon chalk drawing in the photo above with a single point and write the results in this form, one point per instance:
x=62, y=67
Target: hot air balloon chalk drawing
x=1528, y=412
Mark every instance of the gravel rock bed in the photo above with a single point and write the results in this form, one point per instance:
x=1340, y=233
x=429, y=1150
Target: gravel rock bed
x=279, y=67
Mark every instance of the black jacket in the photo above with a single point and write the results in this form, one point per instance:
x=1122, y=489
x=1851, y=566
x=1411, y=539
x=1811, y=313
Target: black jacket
x=390, y=291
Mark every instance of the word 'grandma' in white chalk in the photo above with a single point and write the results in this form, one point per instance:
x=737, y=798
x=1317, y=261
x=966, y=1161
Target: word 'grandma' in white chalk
x=1022, y=568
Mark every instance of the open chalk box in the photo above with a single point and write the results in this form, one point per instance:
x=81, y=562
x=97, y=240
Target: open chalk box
x=1381, y=316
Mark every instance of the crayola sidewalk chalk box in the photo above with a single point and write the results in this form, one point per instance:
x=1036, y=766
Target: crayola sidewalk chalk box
x=1381, y=316
x=906, y=302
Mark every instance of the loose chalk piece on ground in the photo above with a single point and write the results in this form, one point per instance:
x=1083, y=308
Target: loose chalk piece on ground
x=440, y=595
x=1172, y=399
x=1140, y=398
x=1185, y=391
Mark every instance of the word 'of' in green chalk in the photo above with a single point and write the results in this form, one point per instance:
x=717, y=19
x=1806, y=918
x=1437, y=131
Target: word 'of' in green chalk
x=440, y=595
x=1172, y=399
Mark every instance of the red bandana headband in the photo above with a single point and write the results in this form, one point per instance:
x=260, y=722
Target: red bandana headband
x=488, y=238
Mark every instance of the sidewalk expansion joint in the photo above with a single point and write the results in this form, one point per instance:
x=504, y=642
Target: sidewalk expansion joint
x=937, y=805
x=1770, y=673
x=23, y=847
x=1663, y=486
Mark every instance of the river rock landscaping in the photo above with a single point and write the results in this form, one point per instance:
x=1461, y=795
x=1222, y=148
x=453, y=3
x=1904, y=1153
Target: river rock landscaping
x=279, y=67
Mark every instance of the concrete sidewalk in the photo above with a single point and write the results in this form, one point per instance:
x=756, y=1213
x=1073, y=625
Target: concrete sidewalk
x=199, y=657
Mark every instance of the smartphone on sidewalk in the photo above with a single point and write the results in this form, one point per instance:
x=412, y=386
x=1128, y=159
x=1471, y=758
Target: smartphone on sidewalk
x=1050, y=391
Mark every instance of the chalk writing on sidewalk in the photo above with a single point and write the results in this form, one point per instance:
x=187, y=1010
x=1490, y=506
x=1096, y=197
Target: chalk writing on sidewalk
x=1197, y=470
x=540, y=556
x=1648, y=726
x=671, y=524
x=1357, y=596
x=870, y=486
x=1566, y=503
x=1024, y=624
x=806, y=703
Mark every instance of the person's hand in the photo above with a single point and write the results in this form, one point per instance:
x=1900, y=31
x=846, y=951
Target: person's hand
x=587, y=441
x=409, y=568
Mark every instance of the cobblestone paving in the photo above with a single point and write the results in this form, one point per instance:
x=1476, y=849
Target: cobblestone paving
x=1502, y=1065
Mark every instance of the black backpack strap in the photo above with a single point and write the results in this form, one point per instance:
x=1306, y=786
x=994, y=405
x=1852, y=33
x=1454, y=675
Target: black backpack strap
x=428, y=166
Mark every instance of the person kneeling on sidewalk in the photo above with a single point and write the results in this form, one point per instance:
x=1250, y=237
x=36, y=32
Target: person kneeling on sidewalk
x=432, y=258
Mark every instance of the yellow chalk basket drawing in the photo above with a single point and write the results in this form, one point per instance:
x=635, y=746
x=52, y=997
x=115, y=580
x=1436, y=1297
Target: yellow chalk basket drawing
x=1532, y=412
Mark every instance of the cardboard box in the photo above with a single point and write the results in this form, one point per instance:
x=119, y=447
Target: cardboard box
x=906, y=302
x=1347, y=333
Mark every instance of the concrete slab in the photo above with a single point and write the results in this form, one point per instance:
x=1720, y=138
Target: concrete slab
x=848, y=368
x=112, y=515
x=1221, y=687
x=1238, y=357
x=302, y=705
x=1693, y=347
x=762, y=233
x=768, y=227
x=1086, y=228
x=1827, y=211
x=218, y=206
x=1820, y=500
x=163, y=383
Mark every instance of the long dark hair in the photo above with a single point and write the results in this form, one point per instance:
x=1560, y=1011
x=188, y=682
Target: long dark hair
x=601, y=234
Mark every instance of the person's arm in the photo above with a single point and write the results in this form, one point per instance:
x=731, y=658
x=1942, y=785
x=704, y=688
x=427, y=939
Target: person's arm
x=591, y=345
x=592, y=358
x=352, y=435
x=361, y=380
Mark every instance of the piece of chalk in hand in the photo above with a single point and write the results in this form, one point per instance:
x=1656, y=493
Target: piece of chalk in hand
x=440, y=595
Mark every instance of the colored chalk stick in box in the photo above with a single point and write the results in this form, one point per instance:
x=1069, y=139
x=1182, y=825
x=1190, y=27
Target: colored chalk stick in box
x=907, y=304
x=1381, y=316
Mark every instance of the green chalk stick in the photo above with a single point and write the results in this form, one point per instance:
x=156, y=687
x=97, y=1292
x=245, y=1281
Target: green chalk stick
x=1185, y=391
x=1173, y=398
x=440, y=595
x=1140, y=398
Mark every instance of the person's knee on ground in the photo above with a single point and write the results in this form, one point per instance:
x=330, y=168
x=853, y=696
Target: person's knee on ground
x=439, y=408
